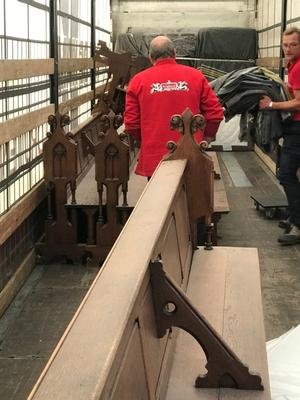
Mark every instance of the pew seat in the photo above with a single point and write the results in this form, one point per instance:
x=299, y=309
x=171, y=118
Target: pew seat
x=224, y=285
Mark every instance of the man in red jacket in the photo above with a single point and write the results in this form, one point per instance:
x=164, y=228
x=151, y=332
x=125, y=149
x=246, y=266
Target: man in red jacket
x=154, y=95
x=290, y=152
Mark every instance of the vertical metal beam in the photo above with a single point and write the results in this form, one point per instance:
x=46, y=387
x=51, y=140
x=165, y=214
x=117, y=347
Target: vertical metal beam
x=283, y=28
x=255, y=8
x=54, y=53
x=93, y=46
x=6, y=145
x=5, y=52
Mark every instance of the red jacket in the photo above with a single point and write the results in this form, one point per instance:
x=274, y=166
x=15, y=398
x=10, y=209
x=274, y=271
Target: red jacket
x=294, y=83
x=154, y=95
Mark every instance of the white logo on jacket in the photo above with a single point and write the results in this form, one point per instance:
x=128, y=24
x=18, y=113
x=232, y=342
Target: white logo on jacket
x=169, y=86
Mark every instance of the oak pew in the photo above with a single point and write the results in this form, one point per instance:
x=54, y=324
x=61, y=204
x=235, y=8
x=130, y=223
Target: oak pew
x=86, y=176
x=85, y=218
x=121, y=342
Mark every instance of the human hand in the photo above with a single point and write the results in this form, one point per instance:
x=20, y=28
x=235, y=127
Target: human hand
x=264, y=103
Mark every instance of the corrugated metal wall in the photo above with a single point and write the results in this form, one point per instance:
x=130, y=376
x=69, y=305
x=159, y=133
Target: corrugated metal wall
x=271, y=18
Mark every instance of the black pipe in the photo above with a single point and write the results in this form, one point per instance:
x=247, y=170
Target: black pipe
x=283, y=28
x=93, y=48
x=54, y=53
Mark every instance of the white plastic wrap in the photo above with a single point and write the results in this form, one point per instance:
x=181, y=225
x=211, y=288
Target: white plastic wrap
x=284, y=365
x=228, y=134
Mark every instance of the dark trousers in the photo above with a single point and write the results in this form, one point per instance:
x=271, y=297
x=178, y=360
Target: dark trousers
x=289, y=163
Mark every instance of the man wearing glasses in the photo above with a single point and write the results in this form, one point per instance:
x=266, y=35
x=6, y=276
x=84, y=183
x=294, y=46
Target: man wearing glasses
x=290, y=154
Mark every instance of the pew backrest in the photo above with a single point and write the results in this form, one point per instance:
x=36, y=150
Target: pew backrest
x=113, y=333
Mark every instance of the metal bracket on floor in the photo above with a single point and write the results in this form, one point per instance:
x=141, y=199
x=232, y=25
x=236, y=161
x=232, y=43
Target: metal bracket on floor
x=217, y=176
x=173, y=308
x=209, y=228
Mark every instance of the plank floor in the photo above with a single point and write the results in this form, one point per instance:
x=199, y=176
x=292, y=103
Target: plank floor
x=37, y=318
x=245, y=226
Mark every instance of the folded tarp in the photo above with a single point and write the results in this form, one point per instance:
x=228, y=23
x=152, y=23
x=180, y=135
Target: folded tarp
x=133, y=43
x=240, y=91
x=227, y=43
x=137, y=43
x=222, y=50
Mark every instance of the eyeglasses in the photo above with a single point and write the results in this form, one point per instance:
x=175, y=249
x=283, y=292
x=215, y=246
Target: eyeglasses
x=290, y=45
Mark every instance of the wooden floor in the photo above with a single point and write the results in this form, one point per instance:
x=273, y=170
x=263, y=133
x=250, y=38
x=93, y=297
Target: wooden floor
x=37, y=318
x=245, y=226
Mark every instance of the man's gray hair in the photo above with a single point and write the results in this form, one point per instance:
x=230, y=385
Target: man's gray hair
x=291, y=30
x=162, y=48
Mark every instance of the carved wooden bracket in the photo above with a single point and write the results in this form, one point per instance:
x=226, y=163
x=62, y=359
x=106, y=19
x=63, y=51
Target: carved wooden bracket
x=112, y=174
x=121, y=69
x=173, y=308
x=60, y=172
x=102, y=221
x=60, y=158
x=199, y=171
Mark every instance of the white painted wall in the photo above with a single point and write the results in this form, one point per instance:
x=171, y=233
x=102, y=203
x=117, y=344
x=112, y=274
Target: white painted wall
x=180, y=16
